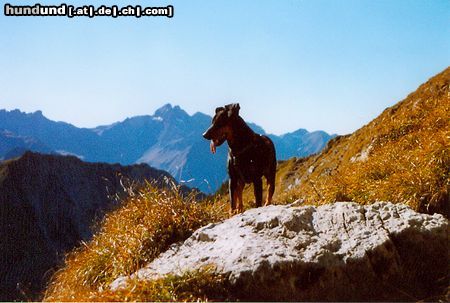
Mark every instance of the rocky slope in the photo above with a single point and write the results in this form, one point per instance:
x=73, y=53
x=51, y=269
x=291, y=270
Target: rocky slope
x=170, y=139
x=336, y=252
x=48, y=204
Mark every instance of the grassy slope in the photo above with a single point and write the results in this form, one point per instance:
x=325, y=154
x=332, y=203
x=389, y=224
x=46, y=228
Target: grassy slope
x=401, y=156
x=147, y=224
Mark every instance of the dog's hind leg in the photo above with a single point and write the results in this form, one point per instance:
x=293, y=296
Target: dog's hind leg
x=239, y=190
x=270, y=189
x=257, y=188
x=232, y=184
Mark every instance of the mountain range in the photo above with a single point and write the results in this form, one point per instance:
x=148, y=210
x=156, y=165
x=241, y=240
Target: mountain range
x=170, y=140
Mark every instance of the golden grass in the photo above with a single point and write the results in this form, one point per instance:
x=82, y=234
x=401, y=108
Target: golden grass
x=146, y=225
x=402, y=156
x=200, y=285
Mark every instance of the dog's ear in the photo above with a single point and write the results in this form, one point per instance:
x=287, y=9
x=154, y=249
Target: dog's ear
x=219, y=109
x=233, y=109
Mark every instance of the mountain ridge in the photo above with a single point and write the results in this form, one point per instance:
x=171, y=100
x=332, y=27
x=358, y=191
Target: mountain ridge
x=170, y=139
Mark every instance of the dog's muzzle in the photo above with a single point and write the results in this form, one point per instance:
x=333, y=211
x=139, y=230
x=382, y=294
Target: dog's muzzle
x=214, y=141
x=207, y=134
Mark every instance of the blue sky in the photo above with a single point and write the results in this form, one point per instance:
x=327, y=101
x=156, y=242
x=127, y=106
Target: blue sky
x=330, y=65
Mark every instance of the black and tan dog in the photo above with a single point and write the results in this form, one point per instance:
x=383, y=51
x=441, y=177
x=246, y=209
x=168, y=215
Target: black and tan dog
x=250, y=157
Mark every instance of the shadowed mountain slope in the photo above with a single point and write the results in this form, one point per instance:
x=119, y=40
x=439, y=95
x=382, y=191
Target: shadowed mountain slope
x=48, y=204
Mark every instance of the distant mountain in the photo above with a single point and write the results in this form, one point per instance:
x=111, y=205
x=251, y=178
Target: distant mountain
x=48, y=204
x=126, y=141
x=181, y=150
x=12, y=145
x=170, y=139
x=300, y=143
x=60, y=137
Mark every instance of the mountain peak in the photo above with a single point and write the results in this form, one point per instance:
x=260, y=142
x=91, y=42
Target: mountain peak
x=169, y=111
x=163, y=110
x=38, y=113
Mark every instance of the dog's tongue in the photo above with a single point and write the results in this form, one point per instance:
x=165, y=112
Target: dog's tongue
x=213, y=147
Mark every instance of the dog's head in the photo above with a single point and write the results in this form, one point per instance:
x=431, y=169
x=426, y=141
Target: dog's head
x=220, y=129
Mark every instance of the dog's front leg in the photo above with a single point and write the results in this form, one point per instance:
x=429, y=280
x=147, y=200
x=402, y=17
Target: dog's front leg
x=233, y=190
x=236, y=187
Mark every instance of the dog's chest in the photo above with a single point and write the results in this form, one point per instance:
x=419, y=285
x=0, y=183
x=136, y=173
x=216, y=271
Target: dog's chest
x=246, y=167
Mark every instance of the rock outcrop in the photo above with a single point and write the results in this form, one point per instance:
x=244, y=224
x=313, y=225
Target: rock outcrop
x=338, y=252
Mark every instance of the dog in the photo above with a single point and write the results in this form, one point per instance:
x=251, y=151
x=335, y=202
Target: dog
x=250, y=156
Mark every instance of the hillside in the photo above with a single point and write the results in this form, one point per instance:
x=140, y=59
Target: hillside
x=170, y=140
x=403, y=155
x=48, y=204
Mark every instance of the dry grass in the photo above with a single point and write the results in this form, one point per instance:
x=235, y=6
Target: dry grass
x=147, y=224
x=402, y=156
x=201, y=285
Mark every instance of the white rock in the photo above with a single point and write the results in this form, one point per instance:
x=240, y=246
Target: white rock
x=342, y=251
